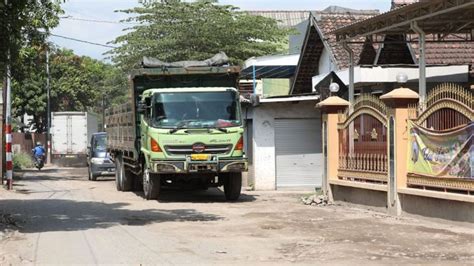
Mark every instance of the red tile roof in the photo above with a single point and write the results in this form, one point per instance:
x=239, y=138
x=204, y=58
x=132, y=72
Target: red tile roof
x=328, y=23
x=447, y=53
x=315, y=43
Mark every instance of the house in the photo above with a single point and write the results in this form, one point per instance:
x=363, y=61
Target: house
x=378, y=61
x=284, y=130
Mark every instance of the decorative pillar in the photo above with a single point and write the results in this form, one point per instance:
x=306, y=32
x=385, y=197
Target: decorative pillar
x=330, y=109
x=398, y=135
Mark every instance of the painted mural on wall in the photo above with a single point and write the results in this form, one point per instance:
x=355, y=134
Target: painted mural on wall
x=447, y=154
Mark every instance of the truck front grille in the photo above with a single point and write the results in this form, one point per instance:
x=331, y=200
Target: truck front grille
x=188, y=149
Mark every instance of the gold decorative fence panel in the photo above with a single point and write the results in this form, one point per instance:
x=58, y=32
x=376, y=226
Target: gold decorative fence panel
x=441, y=139
x=447, y=106
x=363, y=141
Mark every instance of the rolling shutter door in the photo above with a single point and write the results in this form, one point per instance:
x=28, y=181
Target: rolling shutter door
x=298, y=151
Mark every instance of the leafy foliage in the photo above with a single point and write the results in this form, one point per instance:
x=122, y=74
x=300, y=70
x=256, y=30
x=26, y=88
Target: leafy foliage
x=22, y=160
x=176, y=30
x=24, y=23
x=78, y=83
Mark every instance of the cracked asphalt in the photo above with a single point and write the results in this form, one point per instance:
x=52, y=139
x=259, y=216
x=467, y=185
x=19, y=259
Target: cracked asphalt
x=57, y=216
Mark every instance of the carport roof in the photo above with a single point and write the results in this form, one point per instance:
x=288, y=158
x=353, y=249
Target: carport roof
x=433, y=16
x=273, y=66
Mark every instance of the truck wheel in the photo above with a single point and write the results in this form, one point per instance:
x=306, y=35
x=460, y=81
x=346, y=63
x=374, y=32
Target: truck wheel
x=151, y=184
x=118, y=173
x=92, y=177
x=232, y=185
x=127, y=180
x=123, y=178
x=126, y=177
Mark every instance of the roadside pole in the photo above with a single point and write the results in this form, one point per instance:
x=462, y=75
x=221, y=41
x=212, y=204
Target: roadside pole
x=48, y=111
x=8, y=127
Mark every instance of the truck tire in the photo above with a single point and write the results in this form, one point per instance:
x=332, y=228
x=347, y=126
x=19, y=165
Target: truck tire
x=232, y=185
x=127, y=177
x=92, y=177
x=123, y=177
x=118, y=173
x=151, y=184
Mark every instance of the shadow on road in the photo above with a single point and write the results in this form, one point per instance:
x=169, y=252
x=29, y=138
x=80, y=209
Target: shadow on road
x=46, y=215
x=51, y=174
x=211, y=195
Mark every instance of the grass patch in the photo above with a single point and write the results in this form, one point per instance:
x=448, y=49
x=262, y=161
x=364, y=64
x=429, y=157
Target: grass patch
x=22, y=160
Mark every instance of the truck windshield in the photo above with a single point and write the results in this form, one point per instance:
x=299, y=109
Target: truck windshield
x=196, y=110
x=100, y=143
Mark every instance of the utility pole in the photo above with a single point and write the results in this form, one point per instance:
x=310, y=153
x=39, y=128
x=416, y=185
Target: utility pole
x=103, y=112
x=48, y=108
x=8, y=127
x=8, y=120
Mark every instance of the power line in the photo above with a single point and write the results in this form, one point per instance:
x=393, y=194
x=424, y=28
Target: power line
x=100, y=21
x=82, y=41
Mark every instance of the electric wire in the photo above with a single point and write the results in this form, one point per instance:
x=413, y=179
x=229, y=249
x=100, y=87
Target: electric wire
x=83, y=41
x=99, y=21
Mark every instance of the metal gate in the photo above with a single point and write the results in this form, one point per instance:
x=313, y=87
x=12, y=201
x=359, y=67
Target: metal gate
x=363, y=141
x=448, y=108
x=298, y=153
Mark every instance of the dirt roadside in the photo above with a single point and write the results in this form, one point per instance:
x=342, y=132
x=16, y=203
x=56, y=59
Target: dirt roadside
x=58, y=216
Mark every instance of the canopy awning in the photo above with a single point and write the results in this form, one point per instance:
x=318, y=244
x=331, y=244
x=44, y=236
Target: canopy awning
x=387, y=74
x=439, y=17
x=274, y=66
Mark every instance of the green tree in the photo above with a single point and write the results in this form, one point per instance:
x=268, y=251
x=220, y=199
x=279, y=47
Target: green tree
x=24, y=23
x=176, y=30
x=78, y=83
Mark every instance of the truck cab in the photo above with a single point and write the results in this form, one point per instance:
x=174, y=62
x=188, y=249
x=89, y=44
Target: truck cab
x=193, y=134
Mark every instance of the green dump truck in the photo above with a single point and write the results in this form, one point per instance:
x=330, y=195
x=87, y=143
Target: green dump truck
x=182, y=127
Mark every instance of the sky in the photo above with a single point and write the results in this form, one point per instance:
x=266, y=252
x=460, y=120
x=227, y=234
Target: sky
x=104, y=10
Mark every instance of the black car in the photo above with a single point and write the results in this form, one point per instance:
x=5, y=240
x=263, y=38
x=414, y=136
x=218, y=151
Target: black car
x=98, y=159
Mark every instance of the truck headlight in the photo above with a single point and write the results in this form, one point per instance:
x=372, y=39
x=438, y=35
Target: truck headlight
x=97, y=160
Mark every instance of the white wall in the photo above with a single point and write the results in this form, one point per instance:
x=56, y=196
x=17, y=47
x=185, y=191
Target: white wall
x=325, y=63
x=264, y=136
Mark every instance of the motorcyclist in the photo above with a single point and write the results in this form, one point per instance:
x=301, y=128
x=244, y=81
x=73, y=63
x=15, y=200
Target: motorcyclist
x=38, y=151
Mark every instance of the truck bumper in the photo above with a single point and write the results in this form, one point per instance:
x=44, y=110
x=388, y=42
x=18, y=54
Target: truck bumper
x=188, y=166
x=69, y=160
x=103, y=169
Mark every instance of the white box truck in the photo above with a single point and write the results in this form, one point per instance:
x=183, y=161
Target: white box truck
x=70, y=135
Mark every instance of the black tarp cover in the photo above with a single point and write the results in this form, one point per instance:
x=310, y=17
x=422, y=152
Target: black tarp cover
x=219, y=59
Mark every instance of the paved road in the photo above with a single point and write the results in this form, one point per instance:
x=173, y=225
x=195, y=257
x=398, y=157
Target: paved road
x=63, y=218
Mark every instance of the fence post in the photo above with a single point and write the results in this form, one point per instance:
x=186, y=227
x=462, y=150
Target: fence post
x=397, y=141
x=330, y=109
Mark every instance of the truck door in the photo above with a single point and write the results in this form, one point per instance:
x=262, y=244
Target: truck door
x=59, y=133
x=77, y=134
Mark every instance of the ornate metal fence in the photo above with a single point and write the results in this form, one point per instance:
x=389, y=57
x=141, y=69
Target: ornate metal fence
x=363, y=141
x=448, y=107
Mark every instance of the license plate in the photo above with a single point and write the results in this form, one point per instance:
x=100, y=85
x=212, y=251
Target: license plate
x=200, y=157
x=70, y=156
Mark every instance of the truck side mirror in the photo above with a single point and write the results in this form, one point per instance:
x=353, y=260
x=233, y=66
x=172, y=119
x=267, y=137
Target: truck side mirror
x=255, y=100
x=141, y=108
